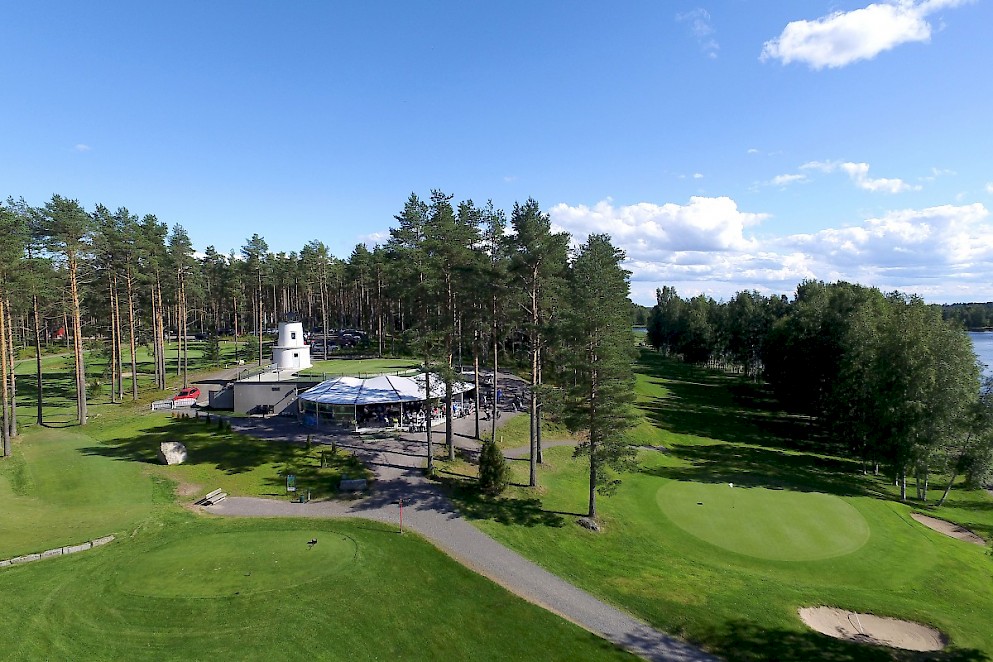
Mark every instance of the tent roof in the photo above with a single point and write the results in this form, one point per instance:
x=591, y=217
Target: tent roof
x=384, y=389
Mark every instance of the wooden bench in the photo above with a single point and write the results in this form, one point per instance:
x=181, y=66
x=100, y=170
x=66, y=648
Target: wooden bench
x=212, y=498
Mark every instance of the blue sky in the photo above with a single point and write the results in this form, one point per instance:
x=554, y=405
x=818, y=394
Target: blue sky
x=725, y=145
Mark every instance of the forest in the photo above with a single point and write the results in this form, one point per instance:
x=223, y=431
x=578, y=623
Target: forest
x=882, y=377
x=454, y=285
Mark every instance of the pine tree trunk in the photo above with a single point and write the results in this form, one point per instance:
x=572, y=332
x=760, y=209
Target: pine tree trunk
x=37, y=351
x=475, y=373
x=537, y=416
x=155, y=337
x=496, y=385
x=379, y=310
x=131, y=338
x=13, y=377
x=5, y=413
x=120, y=349
x=77, y=343
x=533, y=416
x=594, y=463
x=234, y=305
x=427, y=415
x=160, y=334
x=449, y=432
x=113, y=340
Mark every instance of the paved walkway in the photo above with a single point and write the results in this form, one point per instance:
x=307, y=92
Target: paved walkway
x=397, y=464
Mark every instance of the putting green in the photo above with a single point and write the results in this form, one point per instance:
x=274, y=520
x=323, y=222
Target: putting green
x=779, y=525
x=236, y=563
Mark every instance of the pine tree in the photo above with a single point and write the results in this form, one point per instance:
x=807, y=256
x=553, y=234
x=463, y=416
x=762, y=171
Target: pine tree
x=539, y=265
x=597, y=399
x=68, y=229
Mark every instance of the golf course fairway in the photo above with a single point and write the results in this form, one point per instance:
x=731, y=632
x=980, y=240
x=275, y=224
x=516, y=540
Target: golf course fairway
x=779, y=525
x=237, y=563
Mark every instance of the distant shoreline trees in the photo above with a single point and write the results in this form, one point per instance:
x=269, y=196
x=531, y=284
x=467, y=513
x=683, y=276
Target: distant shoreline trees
x=884, y=377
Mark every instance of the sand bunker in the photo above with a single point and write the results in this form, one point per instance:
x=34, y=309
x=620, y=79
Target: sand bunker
x=949, y=529
x=869, y=629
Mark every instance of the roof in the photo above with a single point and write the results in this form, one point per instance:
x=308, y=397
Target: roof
x=384, y=389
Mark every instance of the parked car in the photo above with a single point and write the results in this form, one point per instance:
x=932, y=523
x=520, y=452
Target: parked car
x=187, y=396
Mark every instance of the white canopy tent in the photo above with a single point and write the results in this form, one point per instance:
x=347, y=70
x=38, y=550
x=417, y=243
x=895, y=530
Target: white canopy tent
x=382, y=390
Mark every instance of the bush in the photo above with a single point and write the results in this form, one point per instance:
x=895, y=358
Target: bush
x=494, y=473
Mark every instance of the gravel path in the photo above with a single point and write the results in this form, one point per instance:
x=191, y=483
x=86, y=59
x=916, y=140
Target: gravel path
x=426, y=510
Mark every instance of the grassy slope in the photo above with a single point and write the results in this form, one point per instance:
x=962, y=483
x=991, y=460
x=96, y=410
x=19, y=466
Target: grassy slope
x=53, y=494
x=739, y=605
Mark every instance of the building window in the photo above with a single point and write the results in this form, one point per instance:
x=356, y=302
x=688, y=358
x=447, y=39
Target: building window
x=293, y=335
x=295, y=355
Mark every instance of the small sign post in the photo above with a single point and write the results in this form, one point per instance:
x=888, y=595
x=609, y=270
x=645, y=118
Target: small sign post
x=291, y=483
x=401, y=515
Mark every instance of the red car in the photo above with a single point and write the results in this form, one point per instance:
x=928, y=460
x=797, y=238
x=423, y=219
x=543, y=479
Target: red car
x=188, y=393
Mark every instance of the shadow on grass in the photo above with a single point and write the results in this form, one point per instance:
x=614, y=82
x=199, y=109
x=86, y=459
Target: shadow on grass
x=517, y=511
x=746, y=641
x=232, y=453
x=708, y=403
x=752, y=466
x=765, y=447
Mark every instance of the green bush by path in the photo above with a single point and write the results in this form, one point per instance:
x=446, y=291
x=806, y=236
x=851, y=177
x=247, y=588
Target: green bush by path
x=708, y=580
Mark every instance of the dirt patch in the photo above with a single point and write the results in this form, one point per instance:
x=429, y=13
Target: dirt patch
x=869, y=629
x=949, y=529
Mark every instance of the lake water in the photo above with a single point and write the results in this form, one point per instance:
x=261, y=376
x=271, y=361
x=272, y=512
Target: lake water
x=982, y=341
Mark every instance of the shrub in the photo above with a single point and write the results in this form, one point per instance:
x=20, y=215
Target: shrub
x=494, y=473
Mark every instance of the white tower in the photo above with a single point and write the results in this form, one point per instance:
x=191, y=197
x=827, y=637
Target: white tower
x=290, y=352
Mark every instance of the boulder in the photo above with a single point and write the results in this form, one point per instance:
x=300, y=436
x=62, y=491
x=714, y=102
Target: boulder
x=172, y=452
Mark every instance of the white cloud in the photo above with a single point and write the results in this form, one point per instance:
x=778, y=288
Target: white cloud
x=697, y=175
x=989, y=187
x=700, y=27
x=943, y=253
x=752, y=150
x=841, y=38
x=374, y=239
x=786, y=180
x=859, y=174
x=647, y=230
x=510, y=178
x=80, y=147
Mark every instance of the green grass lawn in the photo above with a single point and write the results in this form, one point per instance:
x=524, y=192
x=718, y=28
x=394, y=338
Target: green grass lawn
x=182, y=587
x=54, y=493
x=516, y=432
x=178, y=585
x=360, y=367
x=799, y=528
x=235, y=463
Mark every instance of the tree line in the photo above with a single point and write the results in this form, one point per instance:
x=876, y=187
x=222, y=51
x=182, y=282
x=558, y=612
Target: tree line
x=972, y=316
x=882, y=376
x=455, y=284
